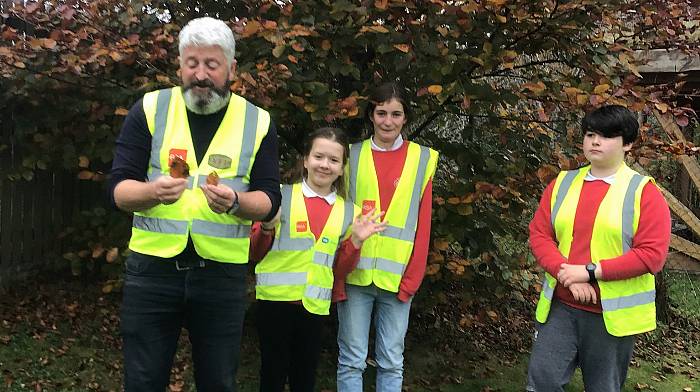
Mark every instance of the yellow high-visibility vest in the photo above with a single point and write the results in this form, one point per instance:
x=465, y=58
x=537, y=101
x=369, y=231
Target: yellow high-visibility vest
x=628, y=305
x=384, y=256
x=163, y=229
x=299, y=267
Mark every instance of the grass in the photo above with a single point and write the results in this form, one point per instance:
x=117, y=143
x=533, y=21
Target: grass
x=64, y=337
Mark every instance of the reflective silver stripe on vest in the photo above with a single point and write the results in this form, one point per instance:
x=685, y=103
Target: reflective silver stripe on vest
x=547, y=290
x=160, y=225
x=316, y=292
x=348, y=217
x=236, y=184
x=354, y=163
x=398, y=233
x=563, y=190
x=323, y=259
x=628, y=213
x=223, y=230
x=367, y=263
x=160, y=122
x=283, y=241
x=248, y=143
x=155, y=175
x=629, y=301
x=280, y=278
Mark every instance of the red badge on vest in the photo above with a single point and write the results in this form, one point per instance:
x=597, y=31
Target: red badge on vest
x=367, y=206
x=301, y=226
x=176, y=152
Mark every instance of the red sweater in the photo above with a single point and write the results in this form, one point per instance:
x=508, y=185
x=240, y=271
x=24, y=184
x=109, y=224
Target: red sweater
x=318, y=210
x=649, y=245
x=389, y=165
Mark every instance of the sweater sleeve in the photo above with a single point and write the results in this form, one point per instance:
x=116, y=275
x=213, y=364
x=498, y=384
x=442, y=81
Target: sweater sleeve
x=650, y=242
x=415, y=270
x=132, y=150
x=260, y=242
x=346, y=259
x=542, y=239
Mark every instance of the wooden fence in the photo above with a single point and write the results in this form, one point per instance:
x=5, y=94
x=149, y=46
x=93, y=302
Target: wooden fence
x=33, y=213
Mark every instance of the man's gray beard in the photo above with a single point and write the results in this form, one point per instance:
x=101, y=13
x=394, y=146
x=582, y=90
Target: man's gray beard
x=211, y=104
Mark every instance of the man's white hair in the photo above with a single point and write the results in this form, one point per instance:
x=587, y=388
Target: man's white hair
x=208, y=31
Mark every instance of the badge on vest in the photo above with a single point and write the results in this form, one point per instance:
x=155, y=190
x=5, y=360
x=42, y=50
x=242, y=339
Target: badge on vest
x=325, y=240
x=367, y=206
x=176, y=152
x=301, y=226
x=219, y=161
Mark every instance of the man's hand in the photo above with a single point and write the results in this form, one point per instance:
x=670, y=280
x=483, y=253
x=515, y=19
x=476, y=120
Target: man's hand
x=219, y=197
x=167, y=190
x=572, y=273
x=583, y=293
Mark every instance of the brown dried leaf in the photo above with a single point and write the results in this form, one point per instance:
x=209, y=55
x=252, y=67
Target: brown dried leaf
x=179, y=168
x=85, y=175
x=403, y=47
x=112, y=254
x=83, y=161
x=213, y=178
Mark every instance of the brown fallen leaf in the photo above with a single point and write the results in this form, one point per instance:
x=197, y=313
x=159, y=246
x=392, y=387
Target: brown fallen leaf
x=179, y=168
x=213, y=178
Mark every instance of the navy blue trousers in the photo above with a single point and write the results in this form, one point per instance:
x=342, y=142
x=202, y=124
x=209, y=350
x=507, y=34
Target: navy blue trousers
x=206, y=297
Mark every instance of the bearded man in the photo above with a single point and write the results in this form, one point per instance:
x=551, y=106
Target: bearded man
x=195, y=164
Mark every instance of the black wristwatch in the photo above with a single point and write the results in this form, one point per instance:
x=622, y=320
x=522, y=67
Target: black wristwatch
x=234, y=207
x=590, y=267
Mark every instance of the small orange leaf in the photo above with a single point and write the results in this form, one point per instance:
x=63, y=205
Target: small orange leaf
x=85, y=175
x=435, y=89
x=121, y=111
x=112, y=255
x=535, y=87
x=298, y=46
x=292, y=59
x=97, y=251
x=48, y=43
x=662, y=107
x=35, y=43
x=106, y=289
x=116, y=56
x=83, y=161
x=326, y=44
x=381, y=4
x=403, y=47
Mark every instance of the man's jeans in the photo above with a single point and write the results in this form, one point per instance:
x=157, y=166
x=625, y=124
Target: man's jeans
x=391, y=323
x=160, y=298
